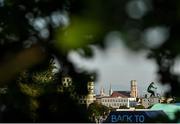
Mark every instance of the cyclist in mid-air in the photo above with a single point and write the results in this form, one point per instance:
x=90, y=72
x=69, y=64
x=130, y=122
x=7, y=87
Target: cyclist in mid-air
x=151, y=89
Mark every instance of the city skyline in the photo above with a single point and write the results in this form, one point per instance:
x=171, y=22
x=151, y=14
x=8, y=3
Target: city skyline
x=118, y=65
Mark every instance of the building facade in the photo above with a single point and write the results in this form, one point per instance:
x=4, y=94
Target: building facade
x=116, y=99
x=115, y=102
x=90, y=97
x=134, y=91
x=66, y=81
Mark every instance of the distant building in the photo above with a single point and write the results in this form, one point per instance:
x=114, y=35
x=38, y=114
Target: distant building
x=115, y=102
x=134, y=92
x=102, y=92
x=90, y=97
x=110, y=90
x=118, y=98
x=147, y=102
x=66, y=81
x=123, y=94
x=115, y=99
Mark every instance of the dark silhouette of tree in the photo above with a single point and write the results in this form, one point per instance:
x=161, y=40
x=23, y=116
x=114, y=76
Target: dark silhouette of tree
x=95, y=110
x=140, y=107
x=123, y=107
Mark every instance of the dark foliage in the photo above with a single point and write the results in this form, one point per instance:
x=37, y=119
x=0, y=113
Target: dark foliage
x=26, y=45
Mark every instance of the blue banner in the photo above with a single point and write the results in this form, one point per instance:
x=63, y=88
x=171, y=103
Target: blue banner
x=133, y=116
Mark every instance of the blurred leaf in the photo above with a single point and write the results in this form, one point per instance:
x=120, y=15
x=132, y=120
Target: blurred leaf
x=20, y=61
x=80, y=33
x=29, y=90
